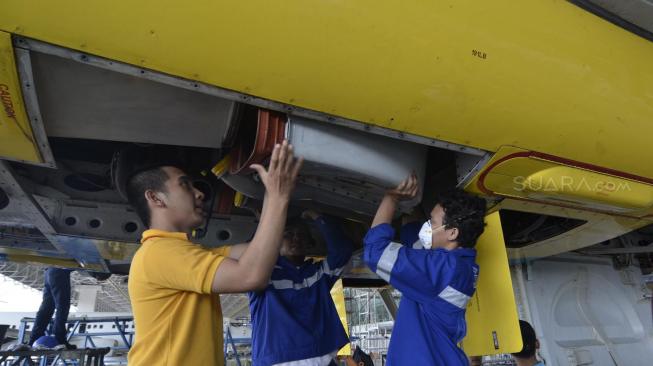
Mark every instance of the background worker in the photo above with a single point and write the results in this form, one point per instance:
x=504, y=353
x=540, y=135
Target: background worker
x=527, y=356
x=294, y=319
x=56, y=295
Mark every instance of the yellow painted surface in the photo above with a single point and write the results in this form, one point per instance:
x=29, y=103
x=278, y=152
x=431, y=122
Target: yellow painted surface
x=16, y=138
x=338, y=295
x=557, y=183
x=472, y=185
x=492, y=308
x=68, y=263
x=530, y=177
x=543, y=75
x=31, y=256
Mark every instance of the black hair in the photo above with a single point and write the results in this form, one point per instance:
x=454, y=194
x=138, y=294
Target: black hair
x=464, y=212
x=360, y=356
x=528, y=338
x=151, y=179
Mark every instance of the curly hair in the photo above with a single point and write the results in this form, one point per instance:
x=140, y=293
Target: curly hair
x=464, y=212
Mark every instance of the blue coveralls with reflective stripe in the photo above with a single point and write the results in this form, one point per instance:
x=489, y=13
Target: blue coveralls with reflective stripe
x=436, y=286
x=295, y=318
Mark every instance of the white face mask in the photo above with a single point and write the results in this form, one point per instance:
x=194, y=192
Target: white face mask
x=426, y=235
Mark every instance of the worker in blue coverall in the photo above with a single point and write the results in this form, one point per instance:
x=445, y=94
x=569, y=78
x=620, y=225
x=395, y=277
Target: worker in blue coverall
x=56, y=295
x=436, y=281
x=294, y=319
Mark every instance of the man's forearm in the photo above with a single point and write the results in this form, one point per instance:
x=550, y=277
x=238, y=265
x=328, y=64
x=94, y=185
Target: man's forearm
x=263, y=250
x=386, y=211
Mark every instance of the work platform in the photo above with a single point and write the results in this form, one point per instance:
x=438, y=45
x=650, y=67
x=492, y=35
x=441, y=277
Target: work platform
x=78, y=357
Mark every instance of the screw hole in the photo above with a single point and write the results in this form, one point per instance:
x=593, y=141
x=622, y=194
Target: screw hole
x=130, y=227
x=70, y=221
x=94, y=224
x=224, y=235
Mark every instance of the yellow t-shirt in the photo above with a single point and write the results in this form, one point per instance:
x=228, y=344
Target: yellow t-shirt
x=178, y=319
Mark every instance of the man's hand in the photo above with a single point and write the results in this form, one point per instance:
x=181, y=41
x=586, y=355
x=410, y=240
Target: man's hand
x=250, y=266
x=280, y=177
x=406, y=190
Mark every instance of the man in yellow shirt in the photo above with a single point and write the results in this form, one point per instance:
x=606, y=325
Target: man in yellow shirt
x=174, y=284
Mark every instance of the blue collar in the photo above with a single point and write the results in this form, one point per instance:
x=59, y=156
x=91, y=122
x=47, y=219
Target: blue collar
x=286, y=263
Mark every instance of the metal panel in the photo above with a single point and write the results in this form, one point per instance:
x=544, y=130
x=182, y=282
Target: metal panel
x=22, y=202
x=26, y=239
x=24, y=67
x=380, y=162
x=467, y=166
x=587, y=313
x=201, y=87
x=228, y=230
x=352, y=164
x=81, y=101
x=118, y=222
x=633, y=15
x=205, y=88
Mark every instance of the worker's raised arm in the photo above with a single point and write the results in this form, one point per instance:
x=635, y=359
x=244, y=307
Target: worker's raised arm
x=416, y=273
x=237, y=250
x=339, y=246
x=252, y=270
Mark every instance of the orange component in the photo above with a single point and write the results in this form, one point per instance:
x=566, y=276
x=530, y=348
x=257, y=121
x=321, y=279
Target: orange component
x=270, y=130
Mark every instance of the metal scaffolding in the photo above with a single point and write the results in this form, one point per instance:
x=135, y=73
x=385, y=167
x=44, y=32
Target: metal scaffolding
x=113, y=295
x=235, y=305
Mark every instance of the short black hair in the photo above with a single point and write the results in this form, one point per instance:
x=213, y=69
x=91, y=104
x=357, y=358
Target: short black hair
x=464, y=212
x=528, y=338
x=360, y=356
x=151, y=179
